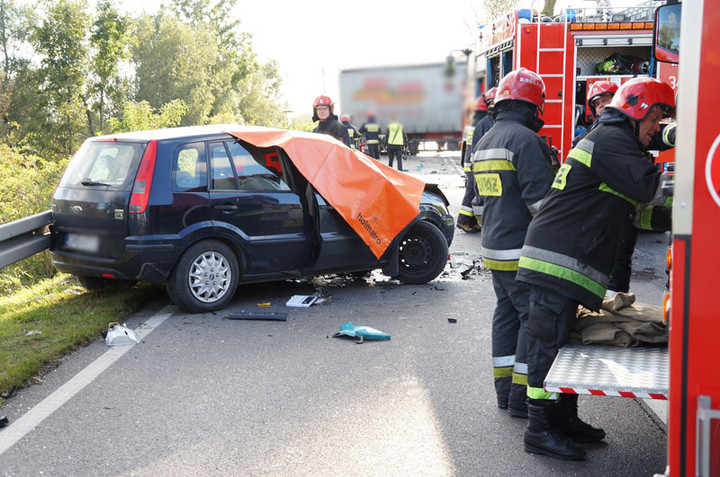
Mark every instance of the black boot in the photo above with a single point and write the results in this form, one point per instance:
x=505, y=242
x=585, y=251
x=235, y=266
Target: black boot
x=541, y=437
x=567, y=420
x=502, y=389
x=517, y=404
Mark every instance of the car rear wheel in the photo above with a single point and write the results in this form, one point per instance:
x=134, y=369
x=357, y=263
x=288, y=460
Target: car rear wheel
x=205, y=278
x=423, y=254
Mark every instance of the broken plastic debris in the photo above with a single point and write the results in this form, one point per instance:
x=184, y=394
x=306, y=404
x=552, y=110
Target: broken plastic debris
x=263, y=305
x=302, y=301
x=258, y=315
x=118, y=335
x=33, y=332
x=360, y=332
x=4, y=421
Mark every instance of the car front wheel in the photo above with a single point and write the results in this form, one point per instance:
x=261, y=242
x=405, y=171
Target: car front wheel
x=423, y=254
x=205, y=278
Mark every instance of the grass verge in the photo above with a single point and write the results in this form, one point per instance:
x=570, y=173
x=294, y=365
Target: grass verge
x=54, y=317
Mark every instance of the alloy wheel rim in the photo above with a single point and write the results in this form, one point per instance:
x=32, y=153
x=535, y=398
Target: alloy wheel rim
x=209, y=277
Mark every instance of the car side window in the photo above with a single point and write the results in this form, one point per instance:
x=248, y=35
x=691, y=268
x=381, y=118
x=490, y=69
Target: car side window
x=189, y=172
x=221, y=171
x=261, y=171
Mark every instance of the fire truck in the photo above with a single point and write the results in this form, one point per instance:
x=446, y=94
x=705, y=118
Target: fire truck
x=686, y=374
x=570, y=52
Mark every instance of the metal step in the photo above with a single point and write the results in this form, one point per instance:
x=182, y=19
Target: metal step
x=640, y=372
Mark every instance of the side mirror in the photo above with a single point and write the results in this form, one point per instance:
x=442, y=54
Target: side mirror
x=667, y=33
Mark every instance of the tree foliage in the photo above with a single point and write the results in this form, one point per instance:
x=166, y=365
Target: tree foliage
x=85, y=71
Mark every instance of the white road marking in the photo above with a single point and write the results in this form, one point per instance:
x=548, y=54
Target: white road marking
x=18, y=429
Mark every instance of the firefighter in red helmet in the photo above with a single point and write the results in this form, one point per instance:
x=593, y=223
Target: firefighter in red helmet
x=571, y=244
x=513, y=170
x=352, y=131
x=328, y=122
x=599, y=96
x=467, y=220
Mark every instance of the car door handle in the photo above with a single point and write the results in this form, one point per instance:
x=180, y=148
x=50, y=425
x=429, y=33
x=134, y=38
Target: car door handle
x=227, y=207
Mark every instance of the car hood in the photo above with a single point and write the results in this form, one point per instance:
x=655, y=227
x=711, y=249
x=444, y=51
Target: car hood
x=377, y=201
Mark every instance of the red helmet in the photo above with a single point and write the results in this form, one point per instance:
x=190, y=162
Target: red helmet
x=636, y=97
x=597, y=89
x=322, y=101
x=490, y=95
x=345, y=117
x=522, y=85
x=481, y=105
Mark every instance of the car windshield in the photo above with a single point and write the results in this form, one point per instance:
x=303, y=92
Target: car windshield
x=103, y=165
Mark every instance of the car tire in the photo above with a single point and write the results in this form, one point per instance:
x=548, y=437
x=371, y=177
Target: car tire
x=205, y=278
x=423, y=254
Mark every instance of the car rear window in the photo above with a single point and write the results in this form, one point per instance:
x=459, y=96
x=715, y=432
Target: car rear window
x=110, y=165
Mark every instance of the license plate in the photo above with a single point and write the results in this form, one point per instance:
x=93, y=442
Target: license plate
x=83, y=243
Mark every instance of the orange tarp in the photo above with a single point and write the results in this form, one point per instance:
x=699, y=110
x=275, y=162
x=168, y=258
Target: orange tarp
x=377, y=201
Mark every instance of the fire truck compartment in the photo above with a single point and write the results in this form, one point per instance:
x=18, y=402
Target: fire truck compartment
x=637, y=372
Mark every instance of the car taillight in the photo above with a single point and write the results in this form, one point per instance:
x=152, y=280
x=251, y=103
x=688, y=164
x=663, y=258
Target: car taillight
x=668, y=258
x=143, y=180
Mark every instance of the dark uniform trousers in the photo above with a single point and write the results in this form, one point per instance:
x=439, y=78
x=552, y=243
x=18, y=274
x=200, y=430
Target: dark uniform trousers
x=550, y=321
x=509, y=339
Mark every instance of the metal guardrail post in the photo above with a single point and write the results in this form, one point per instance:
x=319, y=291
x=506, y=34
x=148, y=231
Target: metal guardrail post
x=703, y=437
x=24, y=237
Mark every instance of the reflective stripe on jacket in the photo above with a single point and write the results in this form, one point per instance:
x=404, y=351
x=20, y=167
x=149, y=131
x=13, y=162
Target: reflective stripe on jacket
x=395, y=135
x=511, y=166
x=371, y=132
x=572, y=242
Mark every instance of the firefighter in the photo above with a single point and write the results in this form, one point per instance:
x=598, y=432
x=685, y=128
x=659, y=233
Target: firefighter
x=571, y=245
x=512, y=167
x=352, y=131
x=371, y=132
x=467, y=220
x=328, y=122
x=396, y=142
x=598, y=96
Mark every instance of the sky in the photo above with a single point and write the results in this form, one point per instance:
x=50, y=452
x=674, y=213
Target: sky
x=313, y=40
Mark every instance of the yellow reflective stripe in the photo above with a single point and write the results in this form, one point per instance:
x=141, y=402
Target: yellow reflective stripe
x=666, y=135
x=606, y=188
x=561, y=177
x=492, y=165
x=466, y=212
x=539, y=393
x=519, y=379
x=504, y=372
x=581, y=156
x=563, y=272
x=489, y=184
x=646, y=218
x=506, y=266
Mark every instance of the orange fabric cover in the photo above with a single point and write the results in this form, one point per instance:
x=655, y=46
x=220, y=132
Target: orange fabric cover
x=376, y=200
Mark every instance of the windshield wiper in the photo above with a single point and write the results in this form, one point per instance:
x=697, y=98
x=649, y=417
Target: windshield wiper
x=89, y=183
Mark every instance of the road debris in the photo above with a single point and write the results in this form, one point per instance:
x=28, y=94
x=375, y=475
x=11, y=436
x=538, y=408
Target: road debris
x=257, y=315
x=360, y=332
x=120, y=335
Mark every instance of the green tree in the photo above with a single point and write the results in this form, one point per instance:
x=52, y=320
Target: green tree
x=173, y=61
x=60, y=39
x=141, y=117
x=109, y=43
x=259, y=102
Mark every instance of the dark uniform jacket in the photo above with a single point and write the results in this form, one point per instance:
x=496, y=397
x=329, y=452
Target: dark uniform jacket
x=332, y=127
x=512, y=169
x=572, y=242
x=353, y=133
x=371, y=131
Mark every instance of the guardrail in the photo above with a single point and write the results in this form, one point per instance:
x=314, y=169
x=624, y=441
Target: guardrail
x=24, y=237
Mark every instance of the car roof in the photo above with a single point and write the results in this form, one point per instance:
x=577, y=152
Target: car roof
x=176, y=133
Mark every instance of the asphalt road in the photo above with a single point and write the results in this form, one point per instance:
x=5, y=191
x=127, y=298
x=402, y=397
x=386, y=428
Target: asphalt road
x=206, y=396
